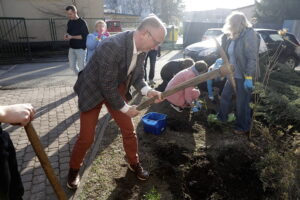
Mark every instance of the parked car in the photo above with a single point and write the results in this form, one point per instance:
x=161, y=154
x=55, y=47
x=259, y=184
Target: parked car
x=207, y=50
x=204, y=50
x=275, y=42
x=212, y=33
x=113, y=26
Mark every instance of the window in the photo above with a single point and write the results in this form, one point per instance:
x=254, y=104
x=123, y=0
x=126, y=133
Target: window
x=276, y=38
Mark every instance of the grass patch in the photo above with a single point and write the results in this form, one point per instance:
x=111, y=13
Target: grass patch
x=152, y=195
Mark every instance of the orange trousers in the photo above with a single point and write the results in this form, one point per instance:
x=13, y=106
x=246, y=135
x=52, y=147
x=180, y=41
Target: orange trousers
x=88, y=122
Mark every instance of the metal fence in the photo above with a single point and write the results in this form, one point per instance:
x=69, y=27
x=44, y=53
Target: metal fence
x=14, y=40
x=23, y=39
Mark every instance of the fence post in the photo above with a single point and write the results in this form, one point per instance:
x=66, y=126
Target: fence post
x=51, y=32
x=27, y=40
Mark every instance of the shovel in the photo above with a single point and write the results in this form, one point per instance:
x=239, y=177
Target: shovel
x=224, y=70
x=45, y=163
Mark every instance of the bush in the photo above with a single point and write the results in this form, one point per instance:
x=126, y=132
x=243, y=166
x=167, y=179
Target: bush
x=277, y=173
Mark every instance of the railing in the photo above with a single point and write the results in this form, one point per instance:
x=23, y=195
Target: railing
x=23, y=39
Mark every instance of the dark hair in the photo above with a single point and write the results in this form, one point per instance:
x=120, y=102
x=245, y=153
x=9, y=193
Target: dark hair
x=71, y=7
x=201, y=66
x=187, y=62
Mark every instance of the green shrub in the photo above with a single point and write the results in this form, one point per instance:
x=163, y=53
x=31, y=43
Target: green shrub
x=152, y=195
x=277, y=173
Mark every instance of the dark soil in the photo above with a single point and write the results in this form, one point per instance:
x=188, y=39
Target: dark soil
x=230, y=176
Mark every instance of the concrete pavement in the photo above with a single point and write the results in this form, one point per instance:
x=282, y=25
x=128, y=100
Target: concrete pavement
x=49, y=88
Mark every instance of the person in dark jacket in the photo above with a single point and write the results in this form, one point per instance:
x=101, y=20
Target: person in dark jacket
x=76, y=35
x=171, y=68
x=241, y=44
x=152, y=57
x=11, y=187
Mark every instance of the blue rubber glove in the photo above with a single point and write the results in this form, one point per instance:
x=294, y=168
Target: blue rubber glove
x=196, y=106
x=210, y=90
x=248, y=83
x=195, y=109
x=199, y=105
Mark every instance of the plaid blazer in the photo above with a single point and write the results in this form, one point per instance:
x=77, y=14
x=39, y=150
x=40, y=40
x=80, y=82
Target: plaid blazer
x=106, y=70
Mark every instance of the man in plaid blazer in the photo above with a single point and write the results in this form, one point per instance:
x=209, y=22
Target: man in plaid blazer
x=115, y=66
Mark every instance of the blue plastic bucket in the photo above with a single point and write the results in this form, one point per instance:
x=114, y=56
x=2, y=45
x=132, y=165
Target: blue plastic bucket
x=154, y=123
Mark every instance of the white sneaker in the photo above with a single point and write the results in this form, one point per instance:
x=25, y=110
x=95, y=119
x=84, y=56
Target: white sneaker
x=178, y=109
x=211, y=98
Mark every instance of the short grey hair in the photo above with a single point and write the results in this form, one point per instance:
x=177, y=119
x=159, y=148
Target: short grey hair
x=151, y=21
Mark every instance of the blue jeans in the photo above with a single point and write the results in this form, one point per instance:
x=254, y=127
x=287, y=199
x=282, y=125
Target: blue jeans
x=77, y=59
x=243, y=110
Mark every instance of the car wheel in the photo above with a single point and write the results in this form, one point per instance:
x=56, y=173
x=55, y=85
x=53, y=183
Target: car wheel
x=291, y=62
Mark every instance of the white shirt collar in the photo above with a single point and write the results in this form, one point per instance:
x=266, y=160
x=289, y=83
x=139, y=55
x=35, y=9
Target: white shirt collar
x=135, y=52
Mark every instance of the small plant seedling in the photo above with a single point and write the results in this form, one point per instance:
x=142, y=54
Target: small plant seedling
x=152, y=195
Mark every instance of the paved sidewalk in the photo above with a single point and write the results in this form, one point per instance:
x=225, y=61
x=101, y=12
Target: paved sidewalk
x=49, y=88
x=57, y=123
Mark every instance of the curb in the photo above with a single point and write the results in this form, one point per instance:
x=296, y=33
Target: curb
x=8, y=70
x=92, y=154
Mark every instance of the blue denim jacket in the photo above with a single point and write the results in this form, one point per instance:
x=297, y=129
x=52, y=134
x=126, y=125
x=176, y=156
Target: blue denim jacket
x=91, y=44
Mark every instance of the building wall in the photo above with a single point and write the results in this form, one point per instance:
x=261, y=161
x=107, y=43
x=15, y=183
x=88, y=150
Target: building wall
x=38, y=12
x=122, y=17
x=53, y=8
x=209, y=16
x=1, y=9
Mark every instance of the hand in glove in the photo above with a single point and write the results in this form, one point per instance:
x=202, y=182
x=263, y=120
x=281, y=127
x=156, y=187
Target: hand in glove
x=248, y=83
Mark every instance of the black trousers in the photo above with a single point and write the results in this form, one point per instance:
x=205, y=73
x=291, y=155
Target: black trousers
x=11, y=187
x=152, y=56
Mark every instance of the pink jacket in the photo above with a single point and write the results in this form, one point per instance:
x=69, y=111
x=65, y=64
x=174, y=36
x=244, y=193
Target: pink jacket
x=184, y=97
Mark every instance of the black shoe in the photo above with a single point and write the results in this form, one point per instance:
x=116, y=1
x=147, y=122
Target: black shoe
x=138, y=170
x=73, y=179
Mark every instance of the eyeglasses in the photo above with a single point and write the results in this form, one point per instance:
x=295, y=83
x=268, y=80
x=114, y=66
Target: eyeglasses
x=154, y=40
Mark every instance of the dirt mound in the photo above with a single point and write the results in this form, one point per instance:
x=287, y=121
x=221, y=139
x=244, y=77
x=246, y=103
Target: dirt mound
x=231, y=176
x=173, y=154
x=239, y=175
x=180, y=125
x=201, y=180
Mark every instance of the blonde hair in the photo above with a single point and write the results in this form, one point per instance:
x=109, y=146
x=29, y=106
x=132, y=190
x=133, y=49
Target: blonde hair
x=236, y=23
x=100, y=22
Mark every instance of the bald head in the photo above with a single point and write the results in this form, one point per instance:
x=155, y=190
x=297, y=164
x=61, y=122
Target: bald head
x=152, y=22
x=150, y=33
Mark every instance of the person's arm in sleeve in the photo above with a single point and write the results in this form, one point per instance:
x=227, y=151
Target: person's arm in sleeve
x=139, y=83
x=84, y=30
x=191, y=94
x=251, y=52
x=108, y=75
x=91, y=41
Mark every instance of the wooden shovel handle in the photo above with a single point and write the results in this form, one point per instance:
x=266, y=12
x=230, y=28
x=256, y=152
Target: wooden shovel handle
x=45, y=163
x=223, y=71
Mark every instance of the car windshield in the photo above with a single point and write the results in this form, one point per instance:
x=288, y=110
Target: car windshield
x=213, y=32
x=276, y=37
